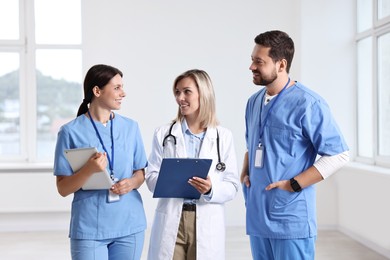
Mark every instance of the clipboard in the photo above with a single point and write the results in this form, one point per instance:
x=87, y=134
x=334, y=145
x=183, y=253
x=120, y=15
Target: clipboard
x=172, y=181
x=77, y=158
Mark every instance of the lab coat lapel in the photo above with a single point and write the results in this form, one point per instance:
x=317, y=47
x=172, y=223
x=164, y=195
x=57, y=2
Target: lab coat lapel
x=208, y=144
x=181, y=151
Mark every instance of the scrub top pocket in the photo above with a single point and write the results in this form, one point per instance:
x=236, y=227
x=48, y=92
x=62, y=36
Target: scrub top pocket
x=286, y=206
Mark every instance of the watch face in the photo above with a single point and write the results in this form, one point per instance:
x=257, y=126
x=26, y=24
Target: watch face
x=295, y=185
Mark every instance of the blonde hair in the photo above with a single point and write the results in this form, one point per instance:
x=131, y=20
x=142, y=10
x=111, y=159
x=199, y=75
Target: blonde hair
x=207, y=112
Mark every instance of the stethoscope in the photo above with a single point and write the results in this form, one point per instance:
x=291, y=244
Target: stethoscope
x=221, y=166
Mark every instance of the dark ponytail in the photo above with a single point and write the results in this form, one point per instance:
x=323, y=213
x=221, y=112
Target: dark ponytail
x=83, y=107
x=98, y=75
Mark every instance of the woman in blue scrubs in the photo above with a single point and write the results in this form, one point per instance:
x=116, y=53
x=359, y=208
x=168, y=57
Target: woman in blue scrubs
x=105, y=224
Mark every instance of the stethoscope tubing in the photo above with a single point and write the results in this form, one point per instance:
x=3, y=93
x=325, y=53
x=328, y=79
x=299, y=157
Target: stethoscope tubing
x=221, y=166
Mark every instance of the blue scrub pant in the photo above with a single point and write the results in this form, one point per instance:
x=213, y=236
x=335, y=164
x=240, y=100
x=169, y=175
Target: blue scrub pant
x=282, y=249
x=122, y=248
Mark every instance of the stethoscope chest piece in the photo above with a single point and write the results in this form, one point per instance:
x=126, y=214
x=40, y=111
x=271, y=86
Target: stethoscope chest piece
x=221, y=166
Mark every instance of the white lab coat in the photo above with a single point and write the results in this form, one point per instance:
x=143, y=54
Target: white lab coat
x=210, y=214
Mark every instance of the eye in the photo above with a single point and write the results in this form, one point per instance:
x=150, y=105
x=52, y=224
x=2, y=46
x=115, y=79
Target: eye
x=258, y=61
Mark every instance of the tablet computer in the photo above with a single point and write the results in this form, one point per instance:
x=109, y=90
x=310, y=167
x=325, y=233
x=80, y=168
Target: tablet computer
x=77, y=158
x=172, y=181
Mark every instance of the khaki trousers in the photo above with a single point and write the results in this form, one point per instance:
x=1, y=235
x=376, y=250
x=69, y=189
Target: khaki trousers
x=185, y=248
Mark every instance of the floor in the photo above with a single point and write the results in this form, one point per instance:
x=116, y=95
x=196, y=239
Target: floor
x=51, y=245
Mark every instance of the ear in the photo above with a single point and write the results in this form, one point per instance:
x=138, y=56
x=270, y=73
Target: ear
x=283, y=65
x=96, y=91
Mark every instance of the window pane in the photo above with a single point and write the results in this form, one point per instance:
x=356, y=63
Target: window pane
x=58, y=22
x=383, y=8
x=59, y=94
x=9, y=105
x=364, y=15
x=384, y=94
x=9, y=20
x=365, y=98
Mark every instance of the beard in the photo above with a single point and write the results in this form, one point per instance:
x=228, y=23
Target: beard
x=266, y=80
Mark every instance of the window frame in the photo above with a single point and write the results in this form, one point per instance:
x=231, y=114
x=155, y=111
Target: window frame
x=26, y=46
x=379, y=27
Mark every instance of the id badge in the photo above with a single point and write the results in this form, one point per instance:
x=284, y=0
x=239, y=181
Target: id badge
x=259, y=156
x=112, y=197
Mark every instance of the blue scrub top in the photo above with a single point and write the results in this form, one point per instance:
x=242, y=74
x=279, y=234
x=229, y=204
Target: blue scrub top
x=92, y=217
x=299, y=127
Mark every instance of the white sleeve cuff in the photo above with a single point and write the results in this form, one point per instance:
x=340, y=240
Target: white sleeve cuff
x=327, y=165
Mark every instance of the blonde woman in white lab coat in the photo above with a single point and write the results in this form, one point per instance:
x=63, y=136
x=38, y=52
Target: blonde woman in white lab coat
x=193, y=229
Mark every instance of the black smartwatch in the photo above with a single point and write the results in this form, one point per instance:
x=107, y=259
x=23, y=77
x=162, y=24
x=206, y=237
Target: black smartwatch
x=295, y=185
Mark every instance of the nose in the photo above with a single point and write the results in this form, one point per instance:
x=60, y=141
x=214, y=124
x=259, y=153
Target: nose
x=123, y=94
x=180, y=96
x=252, y=67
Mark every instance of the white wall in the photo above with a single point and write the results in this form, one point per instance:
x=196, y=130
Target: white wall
x=153, y=42
x=363, y=207
x=355, y=199
x=328, y=67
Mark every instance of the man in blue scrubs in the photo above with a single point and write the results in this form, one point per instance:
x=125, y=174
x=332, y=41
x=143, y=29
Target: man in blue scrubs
x=287, y=127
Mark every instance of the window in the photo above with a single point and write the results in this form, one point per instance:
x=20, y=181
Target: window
x=373, y=81
x=40, y=75
x=384, y=94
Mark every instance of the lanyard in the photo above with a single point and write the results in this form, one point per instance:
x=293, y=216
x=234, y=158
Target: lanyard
x=262, y=124
x=110, y=161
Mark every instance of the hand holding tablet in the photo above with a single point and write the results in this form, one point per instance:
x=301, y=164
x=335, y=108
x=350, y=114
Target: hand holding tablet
x=77, y=158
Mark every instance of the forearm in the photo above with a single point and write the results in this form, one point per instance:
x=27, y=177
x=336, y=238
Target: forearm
x=309, y=177
x=70, y=184
x=245, y=167
x=138, y=178
x=322, y=168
